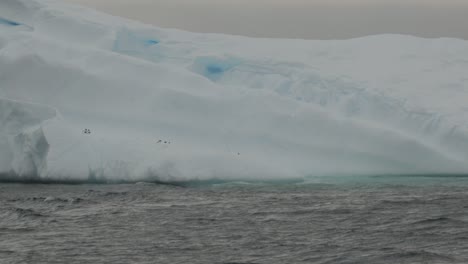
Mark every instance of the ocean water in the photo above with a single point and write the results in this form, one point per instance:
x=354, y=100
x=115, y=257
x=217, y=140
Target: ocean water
x=321, y=220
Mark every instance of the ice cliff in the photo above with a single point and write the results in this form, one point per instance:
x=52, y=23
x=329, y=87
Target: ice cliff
x=169, y=105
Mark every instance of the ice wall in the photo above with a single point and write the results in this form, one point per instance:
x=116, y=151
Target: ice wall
x=169, y=105
x=23, y=145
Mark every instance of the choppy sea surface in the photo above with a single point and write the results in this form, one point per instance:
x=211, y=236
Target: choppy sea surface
x=322, y=220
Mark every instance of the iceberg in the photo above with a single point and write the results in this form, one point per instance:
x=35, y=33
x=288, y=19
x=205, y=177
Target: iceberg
x=88, y=96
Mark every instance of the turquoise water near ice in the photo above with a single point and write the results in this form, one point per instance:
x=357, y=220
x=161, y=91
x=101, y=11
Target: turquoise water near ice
x=361, y=219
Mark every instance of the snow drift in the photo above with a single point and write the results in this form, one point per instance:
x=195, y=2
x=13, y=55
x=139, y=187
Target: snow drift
x=167, y=105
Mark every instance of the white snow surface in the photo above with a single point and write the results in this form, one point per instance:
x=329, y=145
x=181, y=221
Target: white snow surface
x=228, y=107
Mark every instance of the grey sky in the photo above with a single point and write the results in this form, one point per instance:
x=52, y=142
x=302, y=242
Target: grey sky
x=310, y=19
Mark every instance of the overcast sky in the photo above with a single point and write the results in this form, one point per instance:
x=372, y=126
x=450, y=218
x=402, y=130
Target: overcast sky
x=309, y=19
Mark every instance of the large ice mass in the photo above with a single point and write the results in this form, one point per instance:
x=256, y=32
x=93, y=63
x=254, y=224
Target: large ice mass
x=85, y=95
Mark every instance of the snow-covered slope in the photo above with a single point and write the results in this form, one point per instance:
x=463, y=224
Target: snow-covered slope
x=170, y=105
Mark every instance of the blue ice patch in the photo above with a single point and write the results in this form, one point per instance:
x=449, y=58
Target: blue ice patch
x=213, y=67
x=151, y=42
x=7, y=22
x=137, y=44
